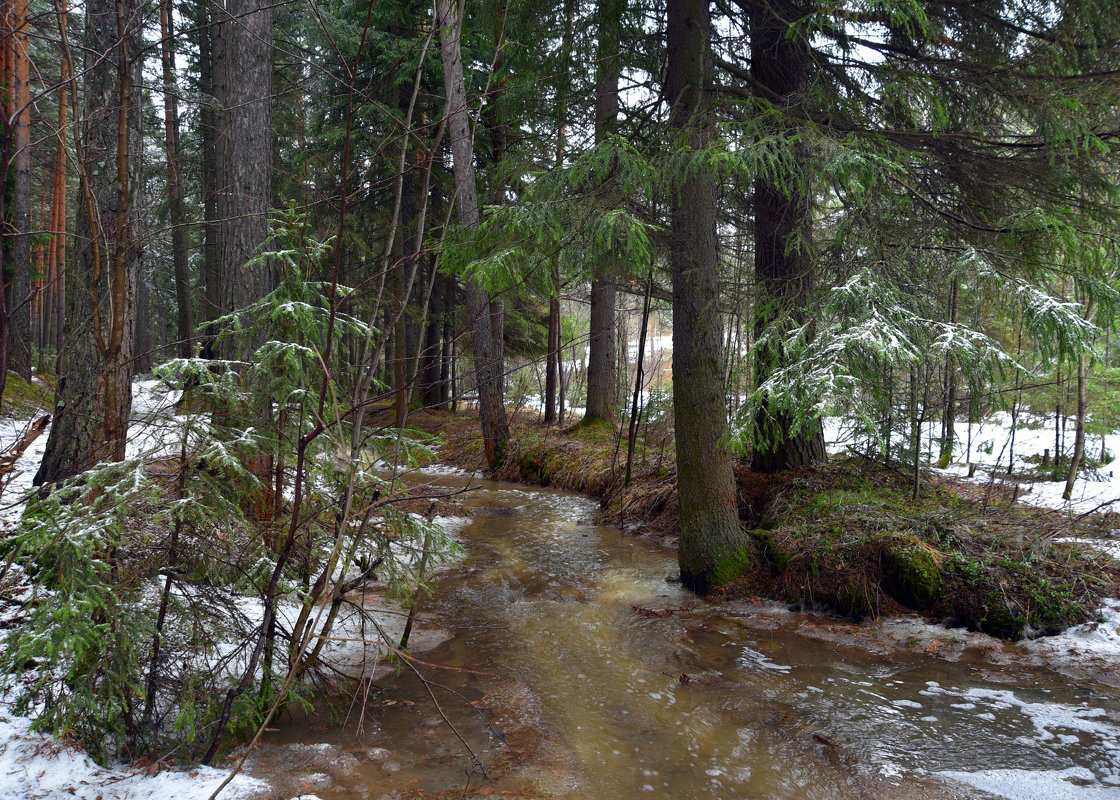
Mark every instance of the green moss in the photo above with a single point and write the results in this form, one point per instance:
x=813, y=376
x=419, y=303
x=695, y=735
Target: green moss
x=23, y=399
x=912, y=571
x=730, y=567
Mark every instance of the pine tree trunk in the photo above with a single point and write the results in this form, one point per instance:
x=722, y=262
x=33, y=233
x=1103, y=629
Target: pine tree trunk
x=17, y=219
x=207, y=120
x=487, y=358
x=241, y=68
x=242, y=74
x=712, y=544
x=783, y=232
x=94, y=397
x=56, y=260
x=602, y=389
x=178, y=214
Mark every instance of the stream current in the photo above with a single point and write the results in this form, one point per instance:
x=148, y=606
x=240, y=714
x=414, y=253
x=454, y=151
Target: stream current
x=600, y=679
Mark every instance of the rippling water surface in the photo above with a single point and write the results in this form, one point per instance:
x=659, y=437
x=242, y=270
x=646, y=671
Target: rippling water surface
x=602, y=682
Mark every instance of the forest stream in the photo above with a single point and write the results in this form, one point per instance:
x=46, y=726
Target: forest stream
x=604, y=680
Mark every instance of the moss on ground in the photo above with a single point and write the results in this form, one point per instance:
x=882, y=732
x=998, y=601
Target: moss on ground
x=847, y=537
x=22, y=399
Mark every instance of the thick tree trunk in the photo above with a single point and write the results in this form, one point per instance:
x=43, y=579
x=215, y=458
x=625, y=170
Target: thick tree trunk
x=563, y=90
x=783, y=231
x=242, y=75
x=487, y=358
x=94, y=396
x=178, y=214
x=57, y=260
x=602, y=389
x=713, y=546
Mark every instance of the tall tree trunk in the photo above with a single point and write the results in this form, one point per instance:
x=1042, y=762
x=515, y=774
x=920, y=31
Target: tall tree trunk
x=242, y=74
x=602, y=390
x=57, y=251
x=488, y=365
x=783, y=230
x=207, y=120
x=94, y=397
x=563, y=90
x=712, y=544
x=17, y=171
x=178, y=214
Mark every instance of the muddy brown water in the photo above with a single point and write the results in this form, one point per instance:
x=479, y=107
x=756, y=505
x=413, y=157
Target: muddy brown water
x=603, y=680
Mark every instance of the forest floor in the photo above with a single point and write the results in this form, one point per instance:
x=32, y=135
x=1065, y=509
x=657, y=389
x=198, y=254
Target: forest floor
x=844, y=537
x=847, y=536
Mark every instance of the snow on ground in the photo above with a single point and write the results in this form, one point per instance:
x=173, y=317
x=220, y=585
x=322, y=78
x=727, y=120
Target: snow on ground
x=990, y=447
x=36, y=767
x=151, y=399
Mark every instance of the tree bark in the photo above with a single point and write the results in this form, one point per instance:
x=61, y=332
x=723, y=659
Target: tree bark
x=712, y=543
x=783, y=231
x=487, y=359
x=211, y=276
x=241, y=69
x=17, y=172
x=242, y=75
x=563, y=90
x=1079, y=436
x=94, y=397
x=178, y=214
x=602, y=389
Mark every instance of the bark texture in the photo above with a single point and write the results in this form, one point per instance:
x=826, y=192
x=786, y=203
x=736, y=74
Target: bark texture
x=177, y=211
x=242, y=75
x=17, y=172
x=207, y=119
x=487, y=357
x=602, y=358
x=780, y=65
x=713, y=548
x=94, y=397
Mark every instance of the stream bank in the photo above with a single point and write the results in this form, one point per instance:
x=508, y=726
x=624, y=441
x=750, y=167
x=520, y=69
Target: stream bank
x=845, y=537
x=574, y=670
